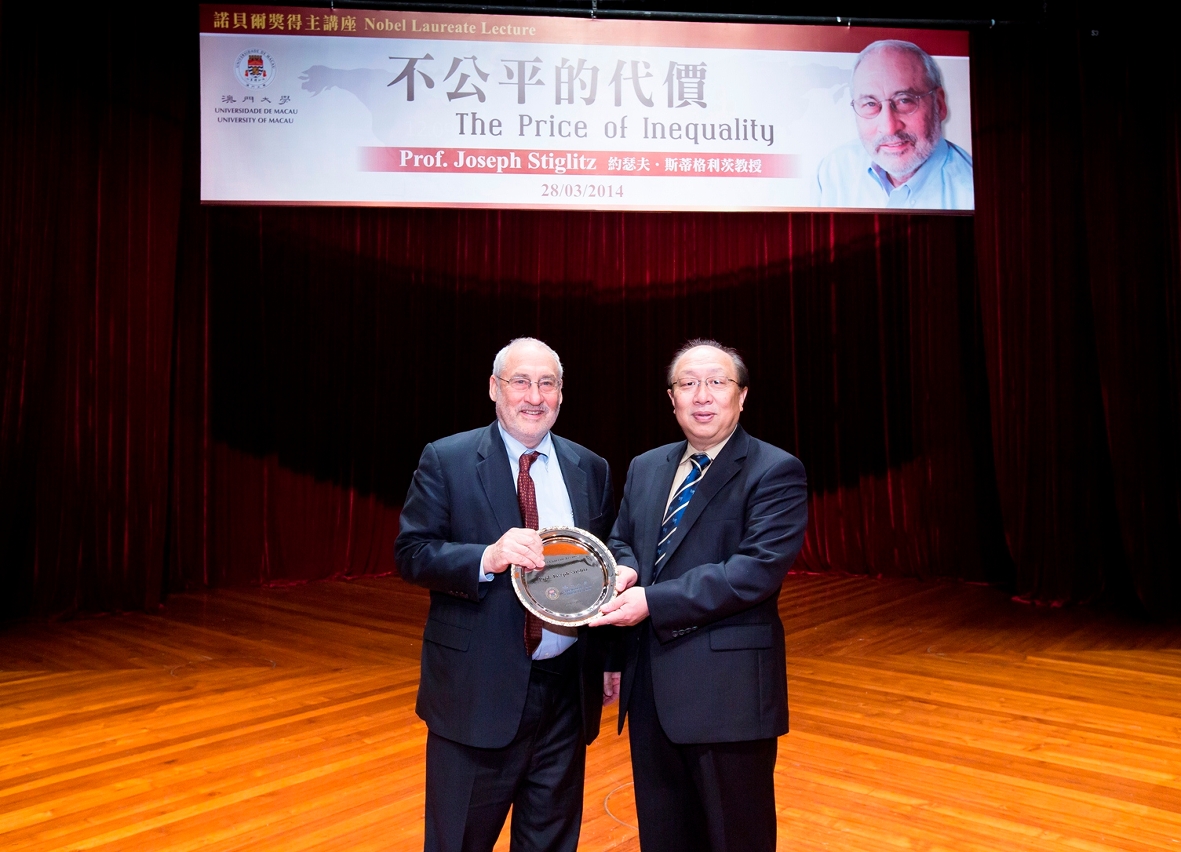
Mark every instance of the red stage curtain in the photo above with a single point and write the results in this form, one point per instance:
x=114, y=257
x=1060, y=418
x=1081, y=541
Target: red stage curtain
x=332, y=345
x=89, y=200
x=1077, y=241
x=204, y=396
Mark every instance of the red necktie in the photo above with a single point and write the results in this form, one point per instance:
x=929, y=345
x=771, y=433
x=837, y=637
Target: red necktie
x=527, y=497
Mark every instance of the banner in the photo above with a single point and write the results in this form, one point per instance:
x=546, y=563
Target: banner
x=351, y=107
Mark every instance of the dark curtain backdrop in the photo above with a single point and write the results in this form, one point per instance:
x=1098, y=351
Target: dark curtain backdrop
x=336, y=343
x=1077, y=237
x=209, y=396
x=90, y=189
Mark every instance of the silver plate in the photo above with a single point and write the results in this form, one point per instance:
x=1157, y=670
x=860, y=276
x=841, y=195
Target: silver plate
x=578, y=578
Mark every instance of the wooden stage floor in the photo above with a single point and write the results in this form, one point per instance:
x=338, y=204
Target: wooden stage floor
x=925, y=716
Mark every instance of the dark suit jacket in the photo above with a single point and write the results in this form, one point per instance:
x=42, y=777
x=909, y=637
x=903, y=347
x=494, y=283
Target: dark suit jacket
x=714, y=634
x=475, y=671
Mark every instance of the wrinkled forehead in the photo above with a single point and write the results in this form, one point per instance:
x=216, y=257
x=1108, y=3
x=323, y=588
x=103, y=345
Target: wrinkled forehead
x=705, y=361
x=529, y=359
x=887, y=72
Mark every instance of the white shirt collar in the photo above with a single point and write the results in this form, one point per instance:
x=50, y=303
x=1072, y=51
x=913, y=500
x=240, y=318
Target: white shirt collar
x=516, y=449
x=712, y=452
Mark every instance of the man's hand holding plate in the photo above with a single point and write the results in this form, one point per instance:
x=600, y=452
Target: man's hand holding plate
x=518, y=546
x=628, y=608
x=625, y=577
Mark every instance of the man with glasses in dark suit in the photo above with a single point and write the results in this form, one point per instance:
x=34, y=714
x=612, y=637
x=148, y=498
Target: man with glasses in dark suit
x=707, y=531
x=510, y=705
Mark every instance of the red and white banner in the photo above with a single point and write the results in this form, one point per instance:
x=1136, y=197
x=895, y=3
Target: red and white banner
x=322, y=106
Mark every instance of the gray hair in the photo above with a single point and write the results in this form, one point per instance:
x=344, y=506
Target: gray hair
x=502, y=356
x=934, y=77
x=739, y=364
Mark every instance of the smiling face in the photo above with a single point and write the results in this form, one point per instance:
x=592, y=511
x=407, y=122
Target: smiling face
x=899, y=144
x=706, y=417
x=529, y=414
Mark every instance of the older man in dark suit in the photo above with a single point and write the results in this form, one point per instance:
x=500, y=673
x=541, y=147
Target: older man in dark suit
x=509, y=706
x=707, y=531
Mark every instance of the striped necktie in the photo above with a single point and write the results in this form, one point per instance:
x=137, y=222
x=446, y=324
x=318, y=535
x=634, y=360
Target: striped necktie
x=676, y=508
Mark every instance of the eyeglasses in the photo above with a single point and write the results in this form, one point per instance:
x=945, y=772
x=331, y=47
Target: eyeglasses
x=712, y=384
x=520, y=384
x=903, y=103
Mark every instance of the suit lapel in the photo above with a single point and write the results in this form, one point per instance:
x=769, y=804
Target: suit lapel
x=662, y=484
x=721, y=470
x=575, y=478
x=497, y=479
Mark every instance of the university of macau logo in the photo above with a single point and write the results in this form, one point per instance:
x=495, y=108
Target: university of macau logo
x=255, y=69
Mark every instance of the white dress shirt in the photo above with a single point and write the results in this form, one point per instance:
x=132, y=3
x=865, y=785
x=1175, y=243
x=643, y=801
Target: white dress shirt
x=553, y=510
x=847, y=177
